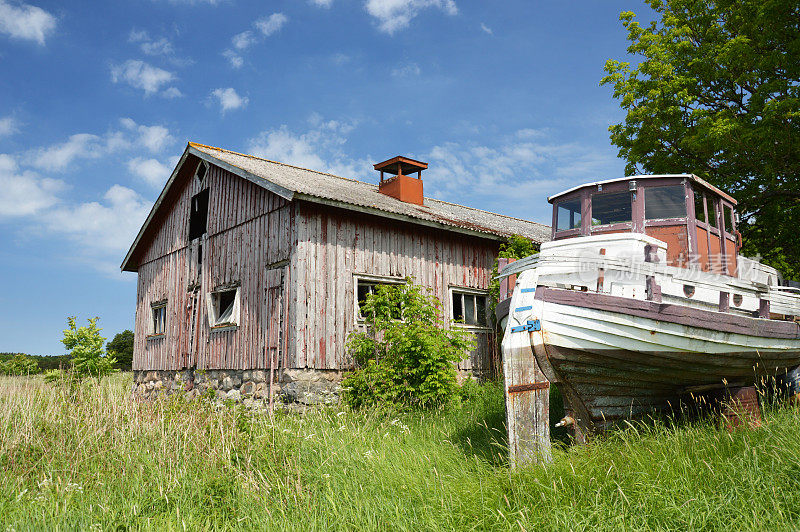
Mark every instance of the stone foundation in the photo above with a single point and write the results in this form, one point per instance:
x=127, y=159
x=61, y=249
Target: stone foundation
x=291, y=386
x=299, y=387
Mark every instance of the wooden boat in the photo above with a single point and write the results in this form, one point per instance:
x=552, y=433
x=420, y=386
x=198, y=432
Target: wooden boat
x=640, y=298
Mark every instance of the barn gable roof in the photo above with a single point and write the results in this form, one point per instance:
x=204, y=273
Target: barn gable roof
x=295, y=183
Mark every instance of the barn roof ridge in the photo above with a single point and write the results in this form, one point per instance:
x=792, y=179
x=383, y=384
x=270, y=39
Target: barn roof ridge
x=295, y=182
x=251, y=156
x=198, y=144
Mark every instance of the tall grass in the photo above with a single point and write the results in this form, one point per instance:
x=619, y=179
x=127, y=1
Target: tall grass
x=98, y=459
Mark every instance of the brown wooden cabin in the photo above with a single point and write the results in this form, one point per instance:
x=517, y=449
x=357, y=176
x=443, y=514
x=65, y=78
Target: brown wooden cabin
x=696, y=220
x=245, y=263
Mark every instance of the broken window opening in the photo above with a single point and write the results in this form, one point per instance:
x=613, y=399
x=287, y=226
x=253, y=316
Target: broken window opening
x=223, y=308
x=198, y=218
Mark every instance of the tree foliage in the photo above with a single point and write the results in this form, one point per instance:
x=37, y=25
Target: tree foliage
x=121, y=347
x=86, y=345
x=405, y=356
x=716, y=92
x=19, y=364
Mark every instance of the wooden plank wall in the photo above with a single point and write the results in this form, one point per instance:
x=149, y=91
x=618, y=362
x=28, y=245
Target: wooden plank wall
x=248, y=229
x=332, y=245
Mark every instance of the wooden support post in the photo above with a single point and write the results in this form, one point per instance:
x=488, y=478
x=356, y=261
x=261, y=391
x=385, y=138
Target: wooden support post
x=527, y=401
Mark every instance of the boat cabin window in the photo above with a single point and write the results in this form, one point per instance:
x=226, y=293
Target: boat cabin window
x=665, y=202
x=568, y=215
x=611, y=208
x=728, y=219
x=699, y=209
x=711, y=206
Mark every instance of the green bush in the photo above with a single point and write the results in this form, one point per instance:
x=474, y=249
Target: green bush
x=86, y=346
x=405, y=357
x=19, y=364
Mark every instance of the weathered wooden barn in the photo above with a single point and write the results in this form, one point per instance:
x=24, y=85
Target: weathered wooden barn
x=250, y=271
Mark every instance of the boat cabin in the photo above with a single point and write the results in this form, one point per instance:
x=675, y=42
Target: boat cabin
x=695, y=219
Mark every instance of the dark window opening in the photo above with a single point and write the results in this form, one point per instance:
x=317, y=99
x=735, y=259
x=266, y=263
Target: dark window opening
x=198, y=218
x=469, y=309
x=664, y=202
x=699, y=208
x=568, y=215
x=200, y=254
x=611, y=208
x=728, y=219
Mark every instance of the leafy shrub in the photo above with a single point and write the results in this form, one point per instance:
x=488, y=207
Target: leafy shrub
x=86, y=346
x=405, y=357
x=19, y=364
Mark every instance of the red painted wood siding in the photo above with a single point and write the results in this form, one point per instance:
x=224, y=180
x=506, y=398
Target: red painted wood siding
x=333, y=246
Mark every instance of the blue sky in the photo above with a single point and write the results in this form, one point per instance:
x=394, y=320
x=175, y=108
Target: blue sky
x=98, y=99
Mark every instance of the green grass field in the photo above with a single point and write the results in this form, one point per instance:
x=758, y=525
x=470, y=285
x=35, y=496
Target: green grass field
x=99, y=460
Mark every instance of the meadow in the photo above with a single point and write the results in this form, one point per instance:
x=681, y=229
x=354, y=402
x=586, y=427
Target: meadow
x=95, y=459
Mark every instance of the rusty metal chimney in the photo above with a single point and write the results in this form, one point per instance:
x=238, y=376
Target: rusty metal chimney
x=401, y=185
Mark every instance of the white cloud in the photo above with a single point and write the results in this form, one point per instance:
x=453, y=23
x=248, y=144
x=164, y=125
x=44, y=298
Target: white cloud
x=229, y=99
x=8, y=126
x=151, y=171
x=320, y=148
x=515, y=172
x=25, y=193
x=102, y=230
x=172, y=92
x=58, y=157
x=271, y=24
x=486, y=29
x=394, y=15
x=244, y=40
x=233, y=58
x=149, y=45
x=321, y=3
x=154, y=138
x=27, y=22
x=141, y=75
x=407, y=70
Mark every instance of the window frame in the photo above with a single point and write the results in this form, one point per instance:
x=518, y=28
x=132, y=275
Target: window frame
x=477, y=292
x=613, y=225
x=212, y=303
x=558, y=205
x=154, y=330
x=371, y=279
x=671, y=219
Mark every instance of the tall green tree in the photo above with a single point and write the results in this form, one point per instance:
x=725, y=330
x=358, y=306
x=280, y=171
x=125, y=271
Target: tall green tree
x=715, y=90
x=121, y=347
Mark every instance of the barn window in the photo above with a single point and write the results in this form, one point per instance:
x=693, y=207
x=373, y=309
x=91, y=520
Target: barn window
x=223, y=307
x=367, y=285
x=469, y=307
x=158, y=324
x=198, y=217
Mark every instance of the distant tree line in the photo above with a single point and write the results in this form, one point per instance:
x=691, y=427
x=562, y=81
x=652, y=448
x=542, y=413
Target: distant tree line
x=121, y=346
